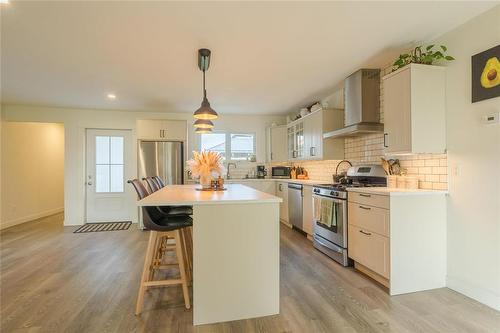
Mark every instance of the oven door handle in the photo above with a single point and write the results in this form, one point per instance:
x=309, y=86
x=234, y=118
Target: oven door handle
x=329, y=199
x=320, y=242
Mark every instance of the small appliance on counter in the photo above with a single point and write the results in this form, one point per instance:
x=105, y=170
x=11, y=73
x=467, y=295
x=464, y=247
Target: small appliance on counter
x=330, y=210
x=261, y=171
x=280, y=172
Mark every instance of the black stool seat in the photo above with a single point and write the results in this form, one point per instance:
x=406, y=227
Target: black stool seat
x=170, y=223
x=177, y=210
x=159, y=222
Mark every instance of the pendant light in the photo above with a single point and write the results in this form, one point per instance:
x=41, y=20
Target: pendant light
x=205, y=111
x=200, y=130
x=203, y=123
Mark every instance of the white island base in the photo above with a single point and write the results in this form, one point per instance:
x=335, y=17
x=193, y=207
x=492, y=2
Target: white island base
x=235, y=250
x=236, y=262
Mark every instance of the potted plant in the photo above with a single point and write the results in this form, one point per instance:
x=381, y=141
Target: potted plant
x=417, y=56
x=206, y=166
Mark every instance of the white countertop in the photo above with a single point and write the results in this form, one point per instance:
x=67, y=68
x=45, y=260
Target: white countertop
x=285, y=180
x=180, y=195
x=373, y=190
x=395, y=191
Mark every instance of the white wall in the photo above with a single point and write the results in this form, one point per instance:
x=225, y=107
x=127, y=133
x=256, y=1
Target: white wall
x=77, y=120
x=32, y=171
x=474, y=166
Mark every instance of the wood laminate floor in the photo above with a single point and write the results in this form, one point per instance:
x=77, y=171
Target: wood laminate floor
x=55, y=281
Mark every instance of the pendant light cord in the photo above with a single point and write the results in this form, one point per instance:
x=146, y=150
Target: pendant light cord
x=204, y=90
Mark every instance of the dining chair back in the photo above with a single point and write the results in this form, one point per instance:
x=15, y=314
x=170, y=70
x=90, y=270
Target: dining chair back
x=153, y=186
x=159, y=181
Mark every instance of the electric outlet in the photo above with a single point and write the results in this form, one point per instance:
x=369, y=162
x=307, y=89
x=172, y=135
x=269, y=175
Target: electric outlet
x=491, y=119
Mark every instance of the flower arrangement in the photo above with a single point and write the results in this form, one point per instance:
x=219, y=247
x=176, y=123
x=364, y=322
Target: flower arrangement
x=206, y=166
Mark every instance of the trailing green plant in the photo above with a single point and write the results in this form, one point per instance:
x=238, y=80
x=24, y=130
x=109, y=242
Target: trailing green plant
x=417, y=56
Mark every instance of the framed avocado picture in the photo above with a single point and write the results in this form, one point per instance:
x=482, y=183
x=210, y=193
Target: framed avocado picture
x=486, y=74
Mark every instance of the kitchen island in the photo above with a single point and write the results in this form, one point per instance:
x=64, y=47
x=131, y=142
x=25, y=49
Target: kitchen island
x=235, y=250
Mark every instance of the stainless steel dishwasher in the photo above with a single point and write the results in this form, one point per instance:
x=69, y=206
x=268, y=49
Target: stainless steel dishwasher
x=295, y=204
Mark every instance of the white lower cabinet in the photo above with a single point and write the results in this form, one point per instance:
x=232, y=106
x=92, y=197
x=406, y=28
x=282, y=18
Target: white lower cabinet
x=307, y=209
x=369, y=249
x=399, y=240
x=282, y=192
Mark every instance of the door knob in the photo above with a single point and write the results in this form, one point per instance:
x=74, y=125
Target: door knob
x=89, y=183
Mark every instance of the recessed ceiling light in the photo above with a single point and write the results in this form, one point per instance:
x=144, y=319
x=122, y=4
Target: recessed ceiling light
x=111, y=96
x=4, y=2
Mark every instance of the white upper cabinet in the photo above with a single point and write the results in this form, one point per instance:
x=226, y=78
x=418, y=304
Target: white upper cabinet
x=313, y=136
x=277, y=144
x=315, y=147
x=414, y=110
x=296, y=140
x=175, y=130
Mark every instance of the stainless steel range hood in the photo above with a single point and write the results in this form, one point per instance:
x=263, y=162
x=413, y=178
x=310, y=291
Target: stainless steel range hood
x=362, y=105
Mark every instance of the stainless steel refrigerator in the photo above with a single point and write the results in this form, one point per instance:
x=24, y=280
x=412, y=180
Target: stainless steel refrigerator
x=162, y=158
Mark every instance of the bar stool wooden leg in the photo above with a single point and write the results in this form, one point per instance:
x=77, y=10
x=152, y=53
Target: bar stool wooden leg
x=155, y=257
x=182, y=269
x=185, y=254
x=189, y=245
x=145, y=272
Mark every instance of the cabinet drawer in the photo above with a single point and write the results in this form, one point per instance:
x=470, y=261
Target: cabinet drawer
x=369, y=199
x=370, y=218
x=369, y=249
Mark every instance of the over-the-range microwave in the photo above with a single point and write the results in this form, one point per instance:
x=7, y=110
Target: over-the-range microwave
x=280, y=172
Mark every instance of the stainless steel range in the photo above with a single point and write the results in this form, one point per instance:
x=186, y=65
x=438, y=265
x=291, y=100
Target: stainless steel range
x=330, y=210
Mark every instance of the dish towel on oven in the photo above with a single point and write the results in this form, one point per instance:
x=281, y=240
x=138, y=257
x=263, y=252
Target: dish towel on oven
x=328, y=213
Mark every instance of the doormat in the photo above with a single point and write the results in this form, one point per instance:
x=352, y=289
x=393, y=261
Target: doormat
x=107, y=226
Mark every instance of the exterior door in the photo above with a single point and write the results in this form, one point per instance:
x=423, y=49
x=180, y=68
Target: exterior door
x=108, y=159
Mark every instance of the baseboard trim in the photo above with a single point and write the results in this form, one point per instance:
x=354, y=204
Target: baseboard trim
x=485, y=296
x=28, y=218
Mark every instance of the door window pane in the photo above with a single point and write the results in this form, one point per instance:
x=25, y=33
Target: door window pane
x=214, y=142
x=102, y=149
x=116, y=150
x=109, y=151
x=102, y=178
x=242, y=146
x=116, y=178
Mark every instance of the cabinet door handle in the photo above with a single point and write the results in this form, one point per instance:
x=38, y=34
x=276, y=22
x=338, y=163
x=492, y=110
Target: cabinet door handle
x=280, y=187
x=365, y=208
x=365, y=195
x=271, y=156
x=161, y=133
x=365, y=233
x=385, y=140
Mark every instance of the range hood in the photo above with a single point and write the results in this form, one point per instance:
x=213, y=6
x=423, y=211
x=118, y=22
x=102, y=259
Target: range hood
x=362, y=105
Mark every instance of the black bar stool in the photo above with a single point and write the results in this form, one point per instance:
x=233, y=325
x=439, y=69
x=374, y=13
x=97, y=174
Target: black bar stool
x=162, y=228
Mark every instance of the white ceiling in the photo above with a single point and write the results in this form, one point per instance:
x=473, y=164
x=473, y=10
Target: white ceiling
x=267, y=58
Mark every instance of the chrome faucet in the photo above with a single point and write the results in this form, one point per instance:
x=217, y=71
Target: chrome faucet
x=228, y=176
